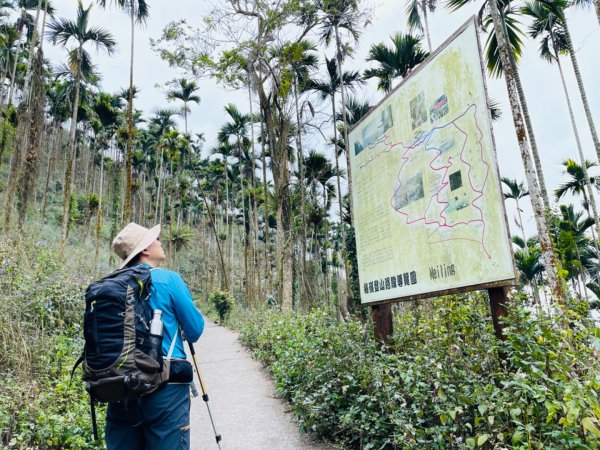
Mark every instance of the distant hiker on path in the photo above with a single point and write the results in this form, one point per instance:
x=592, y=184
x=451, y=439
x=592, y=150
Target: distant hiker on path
x=160, y=420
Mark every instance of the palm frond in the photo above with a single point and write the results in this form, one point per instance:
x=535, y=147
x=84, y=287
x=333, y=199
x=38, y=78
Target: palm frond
x=514, y=36
x=413, y=16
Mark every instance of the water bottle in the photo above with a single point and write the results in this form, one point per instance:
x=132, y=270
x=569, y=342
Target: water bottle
x=156, y=326
x=155, y=338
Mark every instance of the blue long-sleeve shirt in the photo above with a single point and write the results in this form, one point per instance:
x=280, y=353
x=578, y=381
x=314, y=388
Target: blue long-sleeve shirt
x=170, y=294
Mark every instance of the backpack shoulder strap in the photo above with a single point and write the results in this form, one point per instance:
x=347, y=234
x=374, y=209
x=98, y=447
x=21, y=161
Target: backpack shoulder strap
x=172, y=347
x=77, y=363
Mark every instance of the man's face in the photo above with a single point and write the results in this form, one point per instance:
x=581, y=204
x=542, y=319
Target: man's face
x=155, y=252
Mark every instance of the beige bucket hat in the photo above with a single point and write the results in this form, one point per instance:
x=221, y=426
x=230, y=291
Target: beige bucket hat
x=132, y=240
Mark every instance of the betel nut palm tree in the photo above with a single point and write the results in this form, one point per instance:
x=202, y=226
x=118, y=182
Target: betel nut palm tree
x=416, y=17
x=338, y=15
x=572, y=244
x=528, y=262
x=576, y=185
x=513, y=35
x=302, y=61
x=398, y=61
x=65, y=33
x=336, y=79
x=511, y=76
x=328, y=88
x=184, y=91
x=138, y=11
x=556, y=11
x=508, y=27
x=549, y=28
x=516, y=191
x=234, y=140
x=577, y=182
x=24, y=20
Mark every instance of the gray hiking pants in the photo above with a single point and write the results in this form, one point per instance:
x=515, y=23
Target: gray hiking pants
x=159, y=421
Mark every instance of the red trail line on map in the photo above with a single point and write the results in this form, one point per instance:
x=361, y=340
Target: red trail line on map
x=422, y=140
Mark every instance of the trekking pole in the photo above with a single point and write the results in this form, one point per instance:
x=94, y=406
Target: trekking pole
x=204, y=394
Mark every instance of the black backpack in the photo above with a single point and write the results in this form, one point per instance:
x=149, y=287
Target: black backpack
x=121, y=359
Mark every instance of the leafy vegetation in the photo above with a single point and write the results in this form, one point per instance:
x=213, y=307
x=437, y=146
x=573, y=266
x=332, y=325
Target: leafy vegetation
x=223, y=303
x=40, y=332
x=441, y=384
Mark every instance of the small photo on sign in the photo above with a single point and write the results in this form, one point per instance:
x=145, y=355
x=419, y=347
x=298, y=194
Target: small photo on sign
x=455, y=180
x=457, y=202
x=410, y=191
x=418, y=113
x=387, y=121
x=439, y=109
x=374, y=130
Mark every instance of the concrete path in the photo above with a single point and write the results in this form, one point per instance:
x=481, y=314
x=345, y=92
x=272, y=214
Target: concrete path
x=243, y=400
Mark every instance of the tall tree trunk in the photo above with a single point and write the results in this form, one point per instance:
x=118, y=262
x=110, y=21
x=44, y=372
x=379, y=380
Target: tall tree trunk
x=345, y=120
x=255, y=265
x=536, y=292
x=142, y=218
x=6, y=134
x=284, y=246
x=342, y=304
x=44, y=18
x=13, y=75
x=115, y=218
x=171, y=192
x=266, y=208
x=158, y=193
x=36, y=112
x=228, y=220
x=344, y=300
x=31, y=52
x=424, y=8
x=52, y=153
x=525, y=110
x=99, y=215
x=538, y=207
x=584, y=100
x=20, y=143
x=521, y=224
x=5, y=68
x=588, y=184
x=281, y=179
x=71, y=151
x=303, y=274
x=245, y=221
x=129, y=145
x=224, y=281
x=245, y=249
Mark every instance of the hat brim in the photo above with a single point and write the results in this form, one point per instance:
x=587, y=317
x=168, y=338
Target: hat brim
x=149, y=237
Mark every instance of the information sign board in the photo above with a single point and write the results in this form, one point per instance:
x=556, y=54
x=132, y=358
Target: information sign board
x=428, y=207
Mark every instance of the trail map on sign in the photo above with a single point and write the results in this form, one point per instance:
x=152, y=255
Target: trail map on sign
x=428, y=209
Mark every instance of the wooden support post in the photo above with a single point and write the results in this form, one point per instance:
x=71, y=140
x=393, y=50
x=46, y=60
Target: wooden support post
x=382, y=320
x=498, y=302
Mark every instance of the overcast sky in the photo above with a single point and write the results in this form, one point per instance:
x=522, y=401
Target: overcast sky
x=541, y=80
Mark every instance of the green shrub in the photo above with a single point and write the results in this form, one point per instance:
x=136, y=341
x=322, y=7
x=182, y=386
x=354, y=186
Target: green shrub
x=41, y=308
x=223, y=303
x=442, y=384
x=44, y=411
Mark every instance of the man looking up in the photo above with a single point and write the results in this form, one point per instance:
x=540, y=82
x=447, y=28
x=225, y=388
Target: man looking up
x=160, y=420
